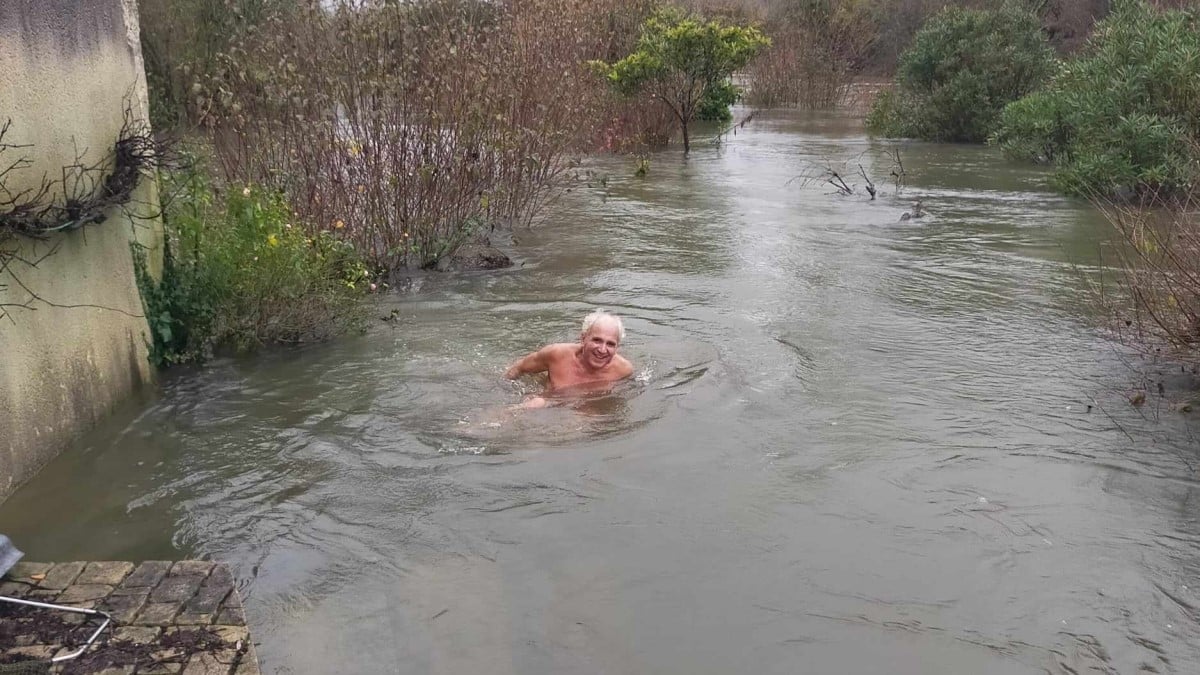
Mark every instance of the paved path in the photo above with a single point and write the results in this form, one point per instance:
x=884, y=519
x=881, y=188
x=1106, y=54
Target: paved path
x=169, y=617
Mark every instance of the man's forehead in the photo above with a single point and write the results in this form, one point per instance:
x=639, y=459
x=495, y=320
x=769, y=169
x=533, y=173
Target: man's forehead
x=605, y=329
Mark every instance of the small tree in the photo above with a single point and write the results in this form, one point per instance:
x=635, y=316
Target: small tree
x=680, y=60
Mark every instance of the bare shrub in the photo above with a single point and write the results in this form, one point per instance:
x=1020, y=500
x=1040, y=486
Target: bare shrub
x=183, y=40
x=817, y=50
x=409, y=129
x=635, y=125
x=1154, y=294
x=1068, y=23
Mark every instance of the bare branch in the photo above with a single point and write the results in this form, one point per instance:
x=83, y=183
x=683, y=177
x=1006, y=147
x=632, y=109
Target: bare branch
x=85, y=193
x=870, y=186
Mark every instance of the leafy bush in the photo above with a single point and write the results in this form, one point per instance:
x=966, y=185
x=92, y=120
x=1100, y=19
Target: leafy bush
x=964, y=66
x=1123, y=118
x=886, y=116
x=239, y=273
x=715, y=104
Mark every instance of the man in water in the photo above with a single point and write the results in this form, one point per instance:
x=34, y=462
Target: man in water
x=592, y=363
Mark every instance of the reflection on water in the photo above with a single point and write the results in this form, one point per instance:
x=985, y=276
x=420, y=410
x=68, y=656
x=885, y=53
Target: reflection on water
x=854, y=445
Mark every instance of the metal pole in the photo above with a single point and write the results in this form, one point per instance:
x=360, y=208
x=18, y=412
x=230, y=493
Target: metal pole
x=64, y=608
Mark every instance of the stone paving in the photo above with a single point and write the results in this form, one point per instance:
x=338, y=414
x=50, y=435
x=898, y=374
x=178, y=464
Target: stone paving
x=168, y=618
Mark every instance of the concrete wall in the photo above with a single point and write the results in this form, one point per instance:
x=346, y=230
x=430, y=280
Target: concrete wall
x=68, y=69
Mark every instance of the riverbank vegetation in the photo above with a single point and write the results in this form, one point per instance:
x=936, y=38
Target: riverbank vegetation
x=1151, y=290
x=821, y=48
x=963, y=67
x=419, y=127
x=390, y=135
x=817, y=49
x=1119, y=120
x=239, y=272
x=1123, y=119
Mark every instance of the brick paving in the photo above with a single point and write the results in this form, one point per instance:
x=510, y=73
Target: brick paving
x=169, y=618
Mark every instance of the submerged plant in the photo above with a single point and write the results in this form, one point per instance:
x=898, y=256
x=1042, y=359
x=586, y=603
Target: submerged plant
x=1152, y=293
x=414, y=128
x=817, y=48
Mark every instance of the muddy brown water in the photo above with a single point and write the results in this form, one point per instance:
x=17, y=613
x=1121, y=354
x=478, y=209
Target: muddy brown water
x=855, y=445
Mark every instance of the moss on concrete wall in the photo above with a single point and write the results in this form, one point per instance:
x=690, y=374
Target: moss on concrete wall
x=68, y=71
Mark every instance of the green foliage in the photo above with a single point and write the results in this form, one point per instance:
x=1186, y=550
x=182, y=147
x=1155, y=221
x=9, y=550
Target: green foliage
x=1124, y=117
x=963, y=67
x=237, y=273
x=714, y=106
x=680, y=60
x=179, y=310
x=888, y=117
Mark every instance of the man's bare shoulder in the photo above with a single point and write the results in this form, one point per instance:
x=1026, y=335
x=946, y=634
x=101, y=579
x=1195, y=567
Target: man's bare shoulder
x=624, y=367
x=559, y=350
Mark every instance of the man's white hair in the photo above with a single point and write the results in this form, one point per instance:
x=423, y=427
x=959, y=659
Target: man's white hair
x=601, y=316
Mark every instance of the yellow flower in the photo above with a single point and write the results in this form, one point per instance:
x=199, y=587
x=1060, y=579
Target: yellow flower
x=339, y=225
x=272, y=240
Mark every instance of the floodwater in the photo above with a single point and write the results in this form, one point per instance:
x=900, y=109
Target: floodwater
x=854, y=445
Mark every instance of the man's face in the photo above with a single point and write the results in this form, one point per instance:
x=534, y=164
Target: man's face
x=600, y=345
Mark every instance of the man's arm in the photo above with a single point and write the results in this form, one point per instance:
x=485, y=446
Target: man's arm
x=537, y=362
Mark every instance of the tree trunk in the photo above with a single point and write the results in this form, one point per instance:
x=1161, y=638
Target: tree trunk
x=687, y=146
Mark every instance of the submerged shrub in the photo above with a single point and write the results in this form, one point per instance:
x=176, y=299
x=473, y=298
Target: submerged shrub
x=1152, y=293
x=963, y=67
x=1124, y=117
x=419, y=126
x=817, y=47
x=887, y=116
x=239, y=272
